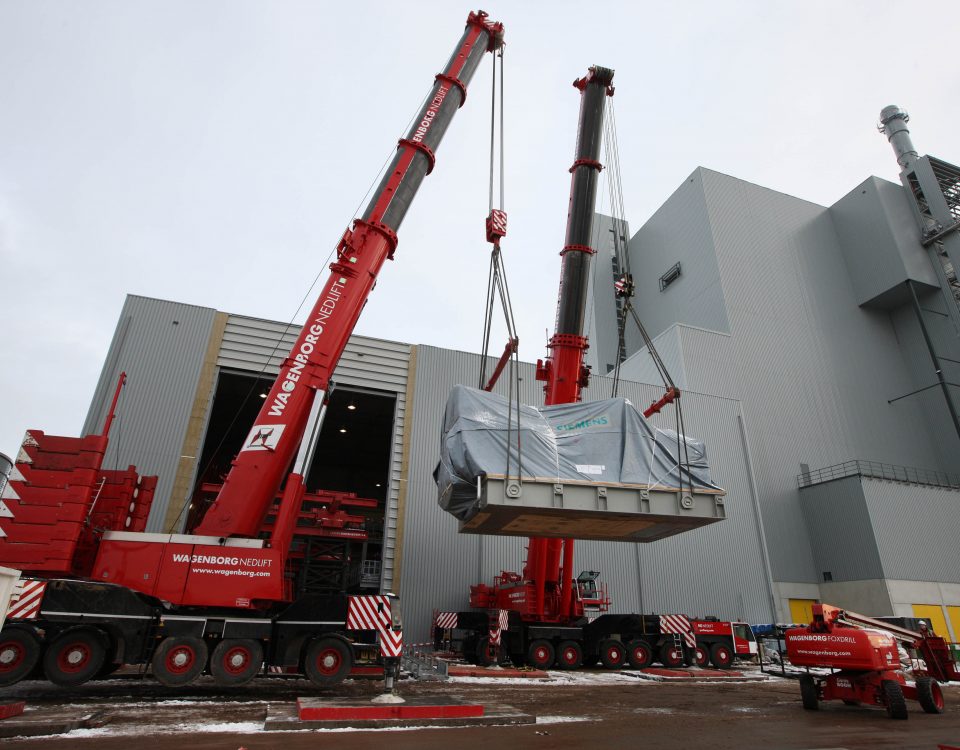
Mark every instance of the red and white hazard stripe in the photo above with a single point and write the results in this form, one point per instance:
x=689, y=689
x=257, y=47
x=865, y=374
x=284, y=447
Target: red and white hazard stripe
x=374, y=613
x=497, y=626
x=25, y=599
x=446, y=620
x=679, y=624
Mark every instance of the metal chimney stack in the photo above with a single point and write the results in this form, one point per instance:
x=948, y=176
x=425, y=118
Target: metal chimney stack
x=893, y=124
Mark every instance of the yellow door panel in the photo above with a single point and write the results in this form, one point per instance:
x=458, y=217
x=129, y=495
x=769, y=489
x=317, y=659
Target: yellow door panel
x=801, y=610
x=954, y=613
x=933, y=614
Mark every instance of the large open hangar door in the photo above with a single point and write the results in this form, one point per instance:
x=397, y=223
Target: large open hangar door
x=340, y=536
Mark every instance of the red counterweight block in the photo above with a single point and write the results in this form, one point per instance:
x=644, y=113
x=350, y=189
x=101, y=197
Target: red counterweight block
x=58, y=499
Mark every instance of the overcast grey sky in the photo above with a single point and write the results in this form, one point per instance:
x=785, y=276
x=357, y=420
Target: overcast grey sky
x=213, y=152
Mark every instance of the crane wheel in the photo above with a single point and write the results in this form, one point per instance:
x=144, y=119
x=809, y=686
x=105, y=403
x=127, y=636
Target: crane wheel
x=701, y=655
x=540, y=655
x=893, y=699
x=930, y=695
x=236, y=661
x=671, y=655
x=75, y=656
x=721, y=656
x=569, y=655
x=179, y=660
x=612, y=653
x=328, y=661
x=639, y=654
x=19, y=653
x=809, y=695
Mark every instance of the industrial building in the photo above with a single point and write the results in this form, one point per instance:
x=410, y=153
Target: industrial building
x=807, y=341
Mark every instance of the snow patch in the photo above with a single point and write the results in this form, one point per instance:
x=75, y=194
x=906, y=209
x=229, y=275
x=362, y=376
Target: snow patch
x=561, y=719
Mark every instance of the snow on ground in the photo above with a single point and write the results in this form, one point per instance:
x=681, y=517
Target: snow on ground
x=562, y=719
x=559, y=678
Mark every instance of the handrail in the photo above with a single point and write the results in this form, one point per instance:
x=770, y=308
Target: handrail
x=878, y=470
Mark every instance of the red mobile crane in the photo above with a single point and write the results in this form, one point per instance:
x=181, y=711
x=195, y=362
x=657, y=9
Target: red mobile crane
x=168, y=600
x=544, y=616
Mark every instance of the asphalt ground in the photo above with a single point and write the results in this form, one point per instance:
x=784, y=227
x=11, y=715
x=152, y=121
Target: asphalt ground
x=587, y=709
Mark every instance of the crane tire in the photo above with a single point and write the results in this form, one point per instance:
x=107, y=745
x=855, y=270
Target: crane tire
x=75, y=656
x=721, y=656
x=671, y=655
x=569, y=655
x=236, y=661
x=613, y=654
x=541, y=654
x=328, y=661
x=19, y=653
x=639, y=654
x=179, y=660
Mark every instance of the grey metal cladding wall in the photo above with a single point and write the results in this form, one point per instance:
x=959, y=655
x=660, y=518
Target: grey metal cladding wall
x=256, y=345
x=679, y=231
x=641, y=368
x=601, y=313
x=841, y=533
x=930, y=404
x=814, y=371
x=160, y=345
x=917, y=529
x=872, y=222
x=716, y=570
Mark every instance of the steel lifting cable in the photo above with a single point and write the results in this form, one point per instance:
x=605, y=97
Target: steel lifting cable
x=497, y=286
x=618, y=210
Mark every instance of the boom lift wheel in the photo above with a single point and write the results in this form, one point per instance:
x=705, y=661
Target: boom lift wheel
x=236, y=661
x=930, y=695
x=75, y=656
x=809, y=695
x=328, y=661
x=569, y=655
x=639, y=654
x=19, y=653
x=671, y=654
x=893, y=699
x=612, y=653
x=179, y=660
x=721, y=655
x=540, y=654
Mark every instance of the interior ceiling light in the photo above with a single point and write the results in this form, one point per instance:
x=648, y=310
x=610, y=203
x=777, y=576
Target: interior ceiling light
x=352, y=406
x=343, y=429
x=378, y=484
x=263, y=395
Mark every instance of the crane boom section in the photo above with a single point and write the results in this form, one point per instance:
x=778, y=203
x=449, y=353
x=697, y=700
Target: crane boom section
x=266, y=455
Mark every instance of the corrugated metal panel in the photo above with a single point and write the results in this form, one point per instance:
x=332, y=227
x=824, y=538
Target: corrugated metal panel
x=715, y=570
x=841, y=534
x=256, y=345
x=160, y=345
x=813, y=370
x=917, y=529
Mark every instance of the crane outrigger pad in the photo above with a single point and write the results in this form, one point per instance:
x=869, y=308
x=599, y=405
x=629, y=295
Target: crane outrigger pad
x=595, y=470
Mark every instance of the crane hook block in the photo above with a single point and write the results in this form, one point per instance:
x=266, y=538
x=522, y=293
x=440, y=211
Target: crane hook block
x=496, y=225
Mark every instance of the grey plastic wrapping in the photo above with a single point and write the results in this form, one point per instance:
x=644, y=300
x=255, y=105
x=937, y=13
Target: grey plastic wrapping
x=606, y=442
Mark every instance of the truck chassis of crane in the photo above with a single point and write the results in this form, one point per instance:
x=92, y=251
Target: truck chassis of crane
x=612, y=640
x=72, y=631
